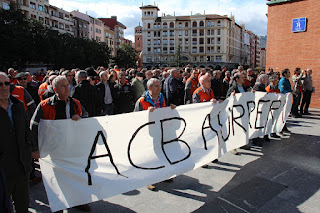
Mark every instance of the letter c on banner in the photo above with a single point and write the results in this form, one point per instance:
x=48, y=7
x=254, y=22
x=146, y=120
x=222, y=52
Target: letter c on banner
x=129, y=148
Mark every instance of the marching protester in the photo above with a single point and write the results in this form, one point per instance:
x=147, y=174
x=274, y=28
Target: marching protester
x=174, y=88
x=15, y=155
x=137, y=86
x=151, y=100
x=216, y=84
x=70, y=77
x=87, y=94
x=307, y=92
x=148, y=75
x=49, y=91
x=122, y=95
x=22, y=78
x=60, y=106
x=191, y=86
x=296, y=92
x=285, y=87
x=105, y=88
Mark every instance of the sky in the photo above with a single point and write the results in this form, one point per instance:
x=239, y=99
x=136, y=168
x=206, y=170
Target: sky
x=250, y=12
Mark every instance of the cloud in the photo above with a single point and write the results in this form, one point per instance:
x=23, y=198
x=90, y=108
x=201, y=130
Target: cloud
x=250, y=12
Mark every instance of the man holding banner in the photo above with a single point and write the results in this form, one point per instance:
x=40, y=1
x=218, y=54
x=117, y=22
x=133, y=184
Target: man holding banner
x=151, y=100
x=60, y=106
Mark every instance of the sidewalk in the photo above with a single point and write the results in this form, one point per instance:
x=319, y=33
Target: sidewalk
x=281, y=176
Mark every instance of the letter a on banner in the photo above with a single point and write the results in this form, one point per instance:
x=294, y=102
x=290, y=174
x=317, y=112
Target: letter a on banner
x=99, y=156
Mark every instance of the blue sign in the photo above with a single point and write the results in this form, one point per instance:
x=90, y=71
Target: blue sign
x=299, y=25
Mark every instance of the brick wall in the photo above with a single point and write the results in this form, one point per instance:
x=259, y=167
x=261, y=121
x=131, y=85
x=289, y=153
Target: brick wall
x=286, y=49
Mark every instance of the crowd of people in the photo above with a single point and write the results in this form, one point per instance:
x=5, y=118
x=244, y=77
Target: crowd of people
x=26, y=98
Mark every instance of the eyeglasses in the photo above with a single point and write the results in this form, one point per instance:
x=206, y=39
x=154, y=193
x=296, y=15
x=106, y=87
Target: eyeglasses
x=19, y=79
x=6, y=83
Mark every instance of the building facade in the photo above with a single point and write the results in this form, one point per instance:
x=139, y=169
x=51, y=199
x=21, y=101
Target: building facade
x=49, y=15
x=288, y=49
x=81, y=24
x=138, y=44
x=202, y=40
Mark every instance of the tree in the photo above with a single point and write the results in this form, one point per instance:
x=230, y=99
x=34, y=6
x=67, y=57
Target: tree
x=126, y=56
x=177, y=56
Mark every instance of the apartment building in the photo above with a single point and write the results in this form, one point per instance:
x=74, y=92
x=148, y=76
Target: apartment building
x=41, y=10
x=96, y=29
x=109, y=40
x=81, y=24
x=118, y=29
x=204, y=40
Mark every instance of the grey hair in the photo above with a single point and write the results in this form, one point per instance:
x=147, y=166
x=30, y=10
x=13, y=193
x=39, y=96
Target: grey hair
x=262, y=76
x=273, y=77
x=101, y=73
x=57, y=80
x=216, y=72
x=4, y=74
x=82, y=74
x=172, y=71
x=151, y=81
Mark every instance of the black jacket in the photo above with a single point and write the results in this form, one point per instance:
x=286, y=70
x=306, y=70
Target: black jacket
x=259, y=87
x=234, y=87
x=216, y=86
x=88, y=96
x=174, y=91
x=102, y=90
x=15, y=142
x=123, y=99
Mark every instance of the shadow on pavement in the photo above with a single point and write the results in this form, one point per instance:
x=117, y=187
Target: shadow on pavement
x=284, y=179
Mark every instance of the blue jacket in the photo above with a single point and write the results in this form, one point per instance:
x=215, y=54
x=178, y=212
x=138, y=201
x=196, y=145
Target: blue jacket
x=284, y=85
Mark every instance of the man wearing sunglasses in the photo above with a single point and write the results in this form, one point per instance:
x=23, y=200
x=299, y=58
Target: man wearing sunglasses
x=22, y=78
x=15, y=146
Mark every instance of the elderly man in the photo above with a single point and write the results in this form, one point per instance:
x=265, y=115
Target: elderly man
x=261, y=83
x=307, y=85
x=15, y=146
x=191, y=86
x=58, y=107
x=22, y=78
x=87, y=94
x=151, y=100
x=297, y=91
x=137, y=86
x=105, y=88
x=123, y=95
x=174, y=88
x=204, y=94
x=216, y=84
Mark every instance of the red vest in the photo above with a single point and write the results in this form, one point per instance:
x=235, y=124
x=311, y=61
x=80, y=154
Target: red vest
x=49, y=111
x=204, y=97
x=194, y=84
x=276, y=90
x=42, y=88
x=18, y=93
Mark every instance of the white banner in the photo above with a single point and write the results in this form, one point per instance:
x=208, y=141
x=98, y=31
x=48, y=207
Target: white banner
x=95, y=158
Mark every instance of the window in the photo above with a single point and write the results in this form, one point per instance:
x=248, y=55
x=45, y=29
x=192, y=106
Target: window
x=194, y=33
x=219, y=32
x=171, y=33
x=208, y=23
x=219, y=41
x=5, y=6
x=194, y=49
x=186, y=41
x=219, y=58
x=32, y=5
x=154, y=50
x=194, y=58
x=180, y=41
x=155, y=42
x=201, y=32
x=201, y=50
x=219, y=23
x=149, y=59
x=165, y=50
x=40, y=8
x=180, y=33
x=186, y=33
x=194, y=41
x=171, y=25
x=159, y=41
x=201, y=41
x=158, y=50
x=171, y=41
x=149, y=49
x=201, y=58
x=208, y=32
x=187, y=49
x=148, y=25
x=148, y=34
x=218, y=49
x=171, y=49
x=201, y=24
x=165, y=25
x=194, y=24
x=165, y=42
x=212, y=23
x=180, y=25
x=186, y=24
x=165, y=33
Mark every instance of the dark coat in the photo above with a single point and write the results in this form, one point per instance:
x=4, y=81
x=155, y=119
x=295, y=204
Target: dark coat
x=15, y=142
x=102, y=90
x=88, y=96
x=216, y=86
x=259, y=87
x=123, y=99
x=174, y=91
x=234, y=87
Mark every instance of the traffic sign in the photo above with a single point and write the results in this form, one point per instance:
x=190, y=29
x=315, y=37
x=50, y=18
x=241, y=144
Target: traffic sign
x=299, y=25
